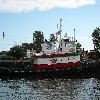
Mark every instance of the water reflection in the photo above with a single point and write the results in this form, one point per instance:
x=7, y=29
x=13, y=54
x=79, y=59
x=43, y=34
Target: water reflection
x=50, y=89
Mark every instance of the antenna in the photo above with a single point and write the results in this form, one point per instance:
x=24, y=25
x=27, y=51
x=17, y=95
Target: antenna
x=57, y=26
x=74, y=35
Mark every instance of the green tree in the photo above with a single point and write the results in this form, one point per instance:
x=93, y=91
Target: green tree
x=52, y=38
x=26, y=46
x=16, y=52
x=96, y=38
x=94, y=55
x=38, y=39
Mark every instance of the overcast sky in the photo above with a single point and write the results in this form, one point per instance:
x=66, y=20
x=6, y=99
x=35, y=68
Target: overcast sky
x=20, y=18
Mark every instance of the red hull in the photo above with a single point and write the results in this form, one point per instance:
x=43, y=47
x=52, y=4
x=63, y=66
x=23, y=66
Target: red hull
x=57, y=66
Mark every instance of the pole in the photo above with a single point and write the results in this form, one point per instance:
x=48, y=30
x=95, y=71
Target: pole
x=3, y=35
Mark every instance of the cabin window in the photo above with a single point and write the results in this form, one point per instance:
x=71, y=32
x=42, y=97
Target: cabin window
x=68, y=58
x=61, y=49
x=61, y=59
x=65, y=44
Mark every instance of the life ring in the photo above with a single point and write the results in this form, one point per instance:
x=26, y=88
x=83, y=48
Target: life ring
x=72, y=50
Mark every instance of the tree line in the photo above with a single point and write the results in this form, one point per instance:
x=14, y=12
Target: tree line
x=96, y=41
x=19, y=51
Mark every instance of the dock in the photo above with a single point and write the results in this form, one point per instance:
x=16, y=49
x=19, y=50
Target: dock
x=24, y=67
x=15, y=66
x=13, y=61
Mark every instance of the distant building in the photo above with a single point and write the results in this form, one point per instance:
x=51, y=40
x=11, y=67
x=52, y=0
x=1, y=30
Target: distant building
x=29, y=53
x=3, y=53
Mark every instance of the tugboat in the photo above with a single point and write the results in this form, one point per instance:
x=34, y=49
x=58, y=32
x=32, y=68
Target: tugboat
x=60, y=54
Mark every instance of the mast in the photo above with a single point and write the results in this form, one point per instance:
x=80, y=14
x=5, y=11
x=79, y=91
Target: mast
x=60, y=28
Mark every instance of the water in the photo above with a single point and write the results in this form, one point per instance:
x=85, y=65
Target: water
x=49, y=89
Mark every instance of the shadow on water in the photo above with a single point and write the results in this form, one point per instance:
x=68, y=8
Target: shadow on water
x=52, y=75
x=53, y=85
x=48, y=87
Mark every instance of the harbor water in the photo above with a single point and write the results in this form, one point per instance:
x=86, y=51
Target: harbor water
x=63, y=88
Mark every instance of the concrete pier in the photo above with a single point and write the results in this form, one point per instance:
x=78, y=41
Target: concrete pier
x=15, y=66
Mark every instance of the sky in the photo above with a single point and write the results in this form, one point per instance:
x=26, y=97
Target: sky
x=20, y=18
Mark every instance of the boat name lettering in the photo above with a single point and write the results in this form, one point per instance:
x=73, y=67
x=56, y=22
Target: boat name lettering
x=53, y=60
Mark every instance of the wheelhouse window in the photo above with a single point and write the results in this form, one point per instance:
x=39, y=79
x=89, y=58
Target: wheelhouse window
x=61, y=49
